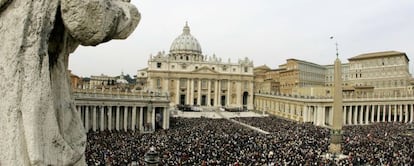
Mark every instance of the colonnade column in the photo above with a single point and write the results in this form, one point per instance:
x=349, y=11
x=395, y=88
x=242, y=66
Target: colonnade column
x=378, y=113
x=86, y=118
x=344, y=115
x=134, y=116
x=383, y=112
x=126, y=117
x=102, y=118
x=331, y=116
x=411, y=113
x=372, y=111
x=360, y=111
x=367, y=112
x=406, y=113
x=109, y=117
x=355, y=114
x=94, y=118
x=395, y=112
x=153, y=118
x=349, y=115
x=389, y=113
x=117, y=118
x=400, y=111
x=191, y=92
x=321, y=115
x=141, y=116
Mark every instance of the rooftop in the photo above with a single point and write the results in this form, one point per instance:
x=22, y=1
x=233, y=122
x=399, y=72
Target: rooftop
x=377, y=55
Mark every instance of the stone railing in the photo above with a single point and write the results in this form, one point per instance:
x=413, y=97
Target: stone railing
x=372, y=96
x=116, y=94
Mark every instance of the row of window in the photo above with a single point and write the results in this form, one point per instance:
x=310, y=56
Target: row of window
x=224, y=68
x=400, y=60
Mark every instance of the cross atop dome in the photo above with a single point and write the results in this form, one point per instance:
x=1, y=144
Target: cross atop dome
x=186, y=29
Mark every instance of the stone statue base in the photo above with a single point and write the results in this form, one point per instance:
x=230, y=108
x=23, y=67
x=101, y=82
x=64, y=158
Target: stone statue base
x=334, y=156
x=334, y=148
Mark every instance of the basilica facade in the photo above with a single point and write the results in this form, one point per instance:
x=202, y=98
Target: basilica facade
x=191, y=78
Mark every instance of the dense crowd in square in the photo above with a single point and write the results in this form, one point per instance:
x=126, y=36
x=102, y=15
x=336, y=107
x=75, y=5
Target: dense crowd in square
x=203, y=141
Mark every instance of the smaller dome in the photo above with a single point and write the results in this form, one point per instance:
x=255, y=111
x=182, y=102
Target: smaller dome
x=185, y=43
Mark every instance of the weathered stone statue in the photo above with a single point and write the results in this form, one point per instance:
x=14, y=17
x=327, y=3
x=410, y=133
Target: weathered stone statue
x=38, y=122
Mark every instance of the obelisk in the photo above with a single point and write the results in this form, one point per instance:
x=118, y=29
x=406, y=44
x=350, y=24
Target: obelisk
x=336, y=130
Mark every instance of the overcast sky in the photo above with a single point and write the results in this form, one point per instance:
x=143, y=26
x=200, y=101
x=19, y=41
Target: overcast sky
x=267, y=31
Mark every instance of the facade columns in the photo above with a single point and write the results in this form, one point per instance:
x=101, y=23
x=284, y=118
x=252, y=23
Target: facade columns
x=199, y=92
x=208, y=92
x=239, y=97
x=188, y=96
x=400, y=111
x=177, y=92
x=228, y=95
x=305, y=113
x=383, y=113
x=218, y=93
x=117, y=118
x=192, y=92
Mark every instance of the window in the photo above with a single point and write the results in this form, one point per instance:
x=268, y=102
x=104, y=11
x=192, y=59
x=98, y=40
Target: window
x=172, y=66
x=158, y=65
x=213, y=68
x=204, y=84
x=246, y=69
x=196, y=67
x=183, y=83
x=158, y=83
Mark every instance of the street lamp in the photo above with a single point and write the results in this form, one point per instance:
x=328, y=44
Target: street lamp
x=151, y=157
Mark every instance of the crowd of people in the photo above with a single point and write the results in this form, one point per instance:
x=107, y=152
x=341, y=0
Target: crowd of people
x=202, y=141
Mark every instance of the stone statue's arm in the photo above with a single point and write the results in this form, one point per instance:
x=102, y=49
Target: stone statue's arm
x=96, y=21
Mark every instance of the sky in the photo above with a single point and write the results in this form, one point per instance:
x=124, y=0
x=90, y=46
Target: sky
x=266, y=31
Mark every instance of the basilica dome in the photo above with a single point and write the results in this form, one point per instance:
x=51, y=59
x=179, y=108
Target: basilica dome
x=185, y=43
